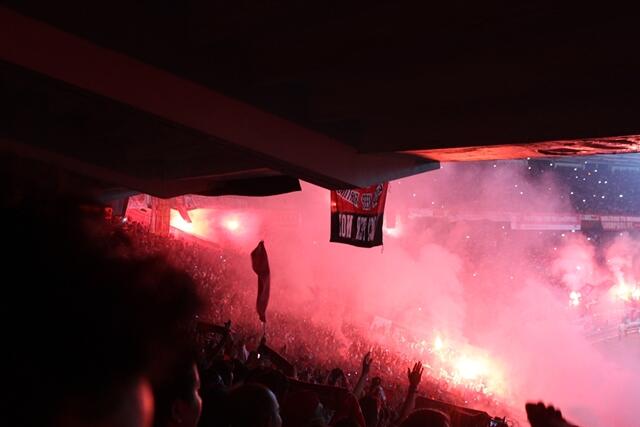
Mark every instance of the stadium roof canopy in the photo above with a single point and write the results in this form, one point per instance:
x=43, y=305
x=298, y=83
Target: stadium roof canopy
x=172, y=97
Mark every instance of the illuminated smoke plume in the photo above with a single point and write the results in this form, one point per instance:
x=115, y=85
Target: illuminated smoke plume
x=456, y=273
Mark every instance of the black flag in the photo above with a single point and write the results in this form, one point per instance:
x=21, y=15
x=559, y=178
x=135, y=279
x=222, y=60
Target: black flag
x=260, y=264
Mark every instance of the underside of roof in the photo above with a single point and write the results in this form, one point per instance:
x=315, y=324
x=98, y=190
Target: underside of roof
x=175, y=97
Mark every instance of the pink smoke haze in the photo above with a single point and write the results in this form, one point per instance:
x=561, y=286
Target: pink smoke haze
x=500, y=296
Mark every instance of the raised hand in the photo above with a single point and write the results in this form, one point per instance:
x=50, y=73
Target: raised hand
x=415, y=375
x=540, y=415
x=366, y=367
x=226, y=334
x=366, y=363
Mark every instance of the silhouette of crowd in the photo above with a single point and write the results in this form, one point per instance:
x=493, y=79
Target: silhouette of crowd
x=105, y=325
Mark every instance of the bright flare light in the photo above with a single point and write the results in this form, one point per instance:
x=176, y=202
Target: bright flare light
x=178, y=222
x=626, y=292
x=395, y=231
x=469, y=368
x=438, y=344
x=462, y=365
x=574, y=298
x=198, y=225
x=231, y=224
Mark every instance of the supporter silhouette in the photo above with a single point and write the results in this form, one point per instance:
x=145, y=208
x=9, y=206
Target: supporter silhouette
x=86, y=325
x=302, y=409
x=540, y=415
x=426, y=418
x=253, y=405
x=369, y=407
x=178, y=401
x=376, y=391
x=337, y=378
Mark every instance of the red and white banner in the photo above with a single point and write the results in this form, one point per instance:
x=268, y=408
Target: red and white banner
x=357, y=215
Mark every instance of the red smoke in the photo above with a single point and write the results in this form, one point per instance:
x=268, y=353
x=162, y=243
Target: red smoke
x=500, y=297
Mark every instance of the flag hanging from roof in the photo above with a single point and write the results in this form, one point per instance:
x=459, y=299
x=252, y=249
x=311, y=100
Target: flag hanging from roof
x=357, y=215
x=260, y=264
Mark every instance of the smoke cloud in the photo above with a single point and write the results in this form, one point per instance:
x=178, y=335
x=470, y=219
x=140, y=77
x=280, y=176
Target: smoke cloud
x=475, y=282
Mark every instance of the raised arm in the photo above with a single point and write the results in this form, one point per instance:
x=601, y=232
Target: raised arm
x=366, y=367
x=414, y=375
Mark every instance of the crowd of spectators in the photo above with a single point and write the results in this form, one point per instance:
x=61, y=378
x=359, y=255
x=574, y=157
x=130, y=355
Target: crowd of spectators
x=108, y=327
x=310, y=352
x=297, y=338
